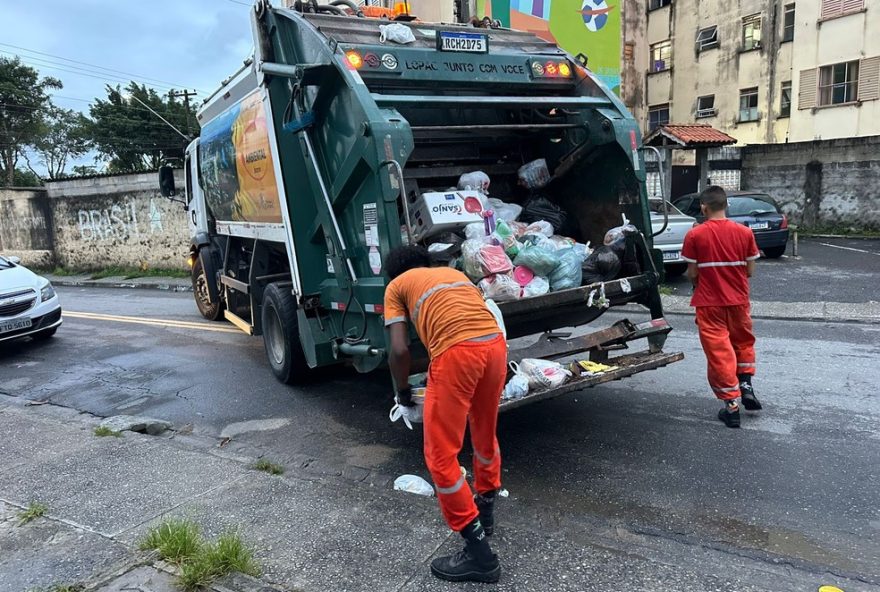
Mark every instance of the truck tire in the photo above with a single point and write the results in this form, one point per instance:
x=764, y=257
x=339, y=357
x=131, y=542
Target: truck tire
x=281, y=337
x=209, y=309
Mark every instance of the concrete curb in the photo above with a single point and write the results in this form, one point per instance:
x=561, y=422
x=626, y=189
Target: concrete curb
x=829, y=312
x=167, y=284
x=852, y=236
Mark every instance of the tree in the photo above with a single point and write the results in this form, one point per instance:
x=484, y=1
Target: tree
x=23, y=104
x=133, y=138
x=66, y=136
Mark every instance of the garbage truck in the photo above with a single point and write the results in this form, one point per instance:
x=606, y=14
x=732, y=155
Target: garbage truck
x=311, y=157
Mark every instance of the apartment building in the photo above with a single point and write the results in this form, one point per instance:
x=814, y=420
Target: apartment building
x=764, y=71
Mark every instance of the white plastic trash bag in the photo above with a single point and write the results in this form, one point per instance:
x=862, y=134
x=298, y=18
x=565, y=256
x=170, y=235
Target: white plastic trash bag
x=413, y=484
x=475, y=231
x=540, y=227
x=505, y=211
x=412, y=414
x=518, y=386
x=476, y=181
x=397, y=33
x=534, y=175
x=537, y=287
x=544, y=373
x=496, y=312
x=500, y=287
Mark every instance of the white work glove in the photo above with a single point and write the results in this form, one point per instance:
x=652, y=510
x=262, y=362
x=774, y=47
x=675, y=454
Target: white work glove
x=411, y=414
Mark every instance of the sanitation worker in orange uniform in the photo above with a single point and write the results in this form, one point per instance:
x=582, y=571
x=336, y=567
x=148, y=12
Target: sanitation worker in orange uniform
x=721, y=257
x=467, y=373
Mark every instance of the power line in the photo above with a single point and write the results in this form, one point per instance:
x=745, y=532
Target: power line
x=123, y=72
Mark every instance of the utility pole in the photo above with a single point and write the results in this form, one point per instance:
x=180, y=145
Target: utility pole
x=186, y=94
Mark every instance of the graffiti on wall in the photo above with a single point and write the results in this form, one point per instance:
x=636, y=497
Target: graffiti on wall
x=119, y=221
x=589, y=27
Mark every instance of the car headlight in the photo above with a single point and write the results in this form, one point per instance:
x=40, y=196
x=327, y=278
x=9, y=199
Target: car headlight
x=47, y=293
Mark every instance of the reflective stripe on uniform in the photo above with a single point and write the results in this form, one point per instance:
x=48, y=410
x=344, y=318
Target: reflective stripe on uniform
x=723, y=264
x=729, y=389
x=489, y=337
x=746, y=364
x=449, y=490
x=753, y=257
x=437, y=288
x=683, y=258
x=483, y=459
x=393, y=320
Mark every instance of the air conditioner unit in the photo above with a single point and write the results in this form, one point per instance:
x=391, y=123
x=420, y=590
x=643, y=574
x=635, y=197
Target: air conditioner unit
x=706, y=112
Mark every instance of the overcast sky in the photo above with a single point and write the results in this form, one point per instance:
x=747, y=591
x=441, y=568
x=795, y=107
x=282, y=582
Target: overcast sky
x=190, y=44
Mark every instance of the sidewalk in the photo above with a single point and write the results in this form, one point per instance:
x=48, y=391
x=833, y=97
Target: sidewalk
x=312, y=529
x=832, y=312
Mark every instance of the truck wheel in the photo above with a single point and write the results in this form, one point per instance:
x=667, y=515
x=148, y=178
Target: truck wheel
x=281, y=337
x=209, y=309
x=774, y=252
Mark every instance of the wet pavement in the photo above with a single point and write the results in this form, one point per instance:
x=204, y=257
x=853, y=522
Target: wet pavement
x=643, y=459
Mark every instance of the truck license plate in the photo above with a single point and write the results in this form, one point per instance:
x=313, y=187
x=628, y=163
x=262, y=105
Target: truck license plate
x=670, y=255
x=463, y=42
x=7, y=326
x=759, y=225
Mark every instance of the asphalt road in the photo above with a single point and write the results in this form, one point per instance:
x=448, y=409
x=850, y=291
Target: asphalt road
x=826, y=270
x=797, y=485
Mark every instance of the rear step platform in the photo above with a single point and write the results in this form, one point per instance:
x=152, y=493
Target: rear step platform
x=627, y=366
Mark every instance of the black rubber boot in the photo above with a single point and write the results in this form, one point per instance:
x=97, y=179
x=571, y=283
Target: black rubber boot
x=475, y=563
x=729, y=414
x=486, y=505
x=750, y=401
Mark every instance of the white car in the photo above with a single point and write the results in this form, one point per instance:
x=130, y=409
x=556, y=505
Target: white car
x=670, y=241
x=29, y=305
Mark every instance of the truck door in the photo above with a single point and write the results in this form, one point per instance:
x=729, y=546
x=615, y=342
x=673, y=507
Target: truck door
x=197, y=218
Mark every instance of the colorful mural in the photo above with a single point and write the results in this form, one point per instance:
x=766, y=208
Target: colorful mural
x=590, y=27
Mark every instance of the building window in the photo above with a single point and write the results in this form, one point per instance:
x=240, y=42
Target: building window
x=657, y=115
x=785, y=100
x=748, y=104
x=838, y=83
x=788, y=23
x=707, y=38
x=661, y=56
x=751, y=38
x=706, y=106
x=655, y=4
x=835, y=8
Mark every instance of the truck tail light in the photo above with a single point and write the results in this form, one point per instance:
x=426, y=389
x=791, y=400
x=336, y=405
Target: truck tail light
x=564, y=70
x=355, y=61
x=784, y=224
x=551, y=69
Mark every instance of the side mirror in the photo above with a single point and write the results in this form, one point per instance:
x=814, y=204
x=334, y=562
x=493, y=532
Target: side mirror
x=166, y=181
x=14, y=260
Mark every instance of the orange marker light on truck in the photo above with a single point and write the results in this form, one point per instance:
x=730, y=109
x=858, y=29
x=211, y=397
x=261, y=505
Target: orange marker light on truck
x=354, y=60
x=564, y=69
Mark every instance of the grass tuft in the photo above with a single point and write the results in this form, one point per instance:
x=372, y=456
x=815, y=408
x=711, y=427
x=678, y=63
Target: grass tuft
x=667, y=290
x=176, y=540
x=34, y=510
x=268, y=466
x=104, y=431
x=229, y=554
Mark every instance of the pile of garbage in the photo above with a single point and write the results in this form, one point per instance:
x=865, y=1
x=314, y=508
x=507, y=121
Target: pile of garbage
x=537, y=374
x=517, y=251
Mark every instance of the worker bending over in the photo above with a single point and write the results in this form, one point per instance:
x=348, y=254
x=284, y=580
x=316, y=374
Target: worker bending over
x=468, y=368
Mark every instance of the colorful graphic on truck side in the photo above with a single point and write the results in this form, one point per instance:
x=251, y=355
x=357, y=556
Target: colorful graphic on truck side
x=235, y=162
x=590, y=27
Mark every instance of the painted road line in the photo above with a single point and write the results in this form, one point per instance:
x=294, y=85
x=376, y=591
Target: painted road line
x=849, y=249
x=150, y=322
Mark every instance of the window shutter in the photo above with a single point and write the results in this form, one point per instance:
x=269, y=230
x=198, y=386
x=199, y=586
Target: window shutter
x=869, y=79
x=852, y=6
x=808, y=89
x=831, y=8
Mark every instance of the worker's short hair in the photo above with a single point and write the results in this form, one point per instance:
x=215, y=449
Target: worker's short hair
x=714, y=198
x=402, y=259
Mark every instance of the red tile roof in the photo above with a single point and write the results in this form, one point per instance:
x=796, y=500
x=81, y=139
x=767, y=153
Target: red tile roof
x=689, y=136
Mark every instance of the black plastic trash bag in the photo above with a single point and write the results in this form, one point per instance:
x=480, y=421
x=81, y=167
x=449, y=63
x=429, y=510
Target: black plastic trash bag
x=602, y=265
x=541, y=208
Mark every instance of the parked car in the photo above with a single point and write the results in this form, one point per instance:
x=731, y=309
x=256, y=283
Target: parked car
x=670, y=241
x=758, y=211
x=29, y=305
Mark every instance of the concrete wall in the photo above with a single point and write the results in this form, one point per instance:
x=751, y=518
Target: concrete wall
x=94, y=223
x=26, y=226
x=819, y=183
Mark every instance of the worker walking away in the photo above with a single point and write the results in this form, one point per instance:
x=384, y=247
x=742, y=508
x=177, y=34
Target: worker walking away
x=468, y=356
x=721, y=257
